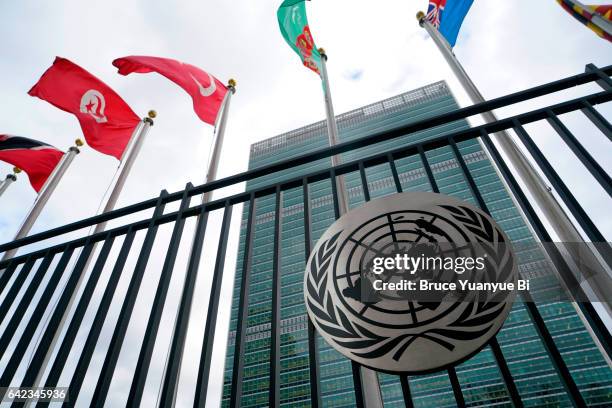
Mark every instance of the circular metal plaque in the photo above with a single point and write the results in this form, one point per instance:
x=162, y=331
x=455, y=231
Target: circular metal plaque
x=410, y=331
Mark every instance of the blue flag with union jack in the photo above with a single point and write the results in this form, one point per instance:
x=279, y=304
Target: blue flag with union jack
x=447, y=16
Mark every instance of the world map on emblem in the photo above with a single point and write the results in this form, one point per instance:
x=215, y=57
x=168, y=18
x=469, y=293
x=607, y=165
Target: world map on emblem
x=398, y=319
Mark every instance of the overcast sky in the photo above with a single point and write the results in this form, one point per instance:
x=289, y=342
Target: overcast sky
x=376, y=50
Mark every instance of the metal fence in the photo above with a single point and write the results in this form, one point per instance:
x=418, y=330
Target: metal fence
x=20, y=276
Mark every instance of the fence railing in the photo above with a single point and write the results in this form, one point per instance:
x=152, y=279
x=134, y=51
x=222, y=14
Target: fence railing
x=21, y=280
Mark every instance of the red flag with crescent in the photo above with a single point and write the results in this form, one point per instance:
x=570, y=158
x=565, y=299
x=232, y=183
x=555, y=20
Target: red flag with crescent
x=206, y=91
x=37, y=159
x=107, y=121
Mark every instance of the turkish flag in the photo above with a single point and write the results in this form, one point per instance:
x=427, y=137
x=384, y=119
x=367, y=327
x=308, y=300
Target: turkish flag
x=206, y=91
x=107, y=121
x=37, y=159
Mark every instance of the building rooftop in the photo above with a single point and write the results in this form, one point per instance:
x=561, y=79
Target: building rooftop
x=351, y=118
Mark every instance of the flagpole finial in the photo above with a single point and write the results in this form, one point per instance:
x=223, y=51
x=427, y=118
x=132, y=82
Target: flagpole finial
x=420, y=17
x=322, y=53
x=231, y=83
x=16, y=170
x=152, y=114
x=78, y=142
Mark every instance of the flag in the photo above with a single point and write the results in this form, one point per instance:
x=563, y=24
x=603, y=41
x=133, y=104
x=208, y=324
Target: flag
x=206, y=91
x=37, y=159
x=447, y=16
x=294, y=28
x=107, y=121
x=586, y=14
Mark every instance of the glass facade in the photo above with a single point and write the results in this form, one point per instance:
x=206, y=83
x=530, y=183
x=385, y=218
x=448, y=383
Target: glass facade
x=482, y=384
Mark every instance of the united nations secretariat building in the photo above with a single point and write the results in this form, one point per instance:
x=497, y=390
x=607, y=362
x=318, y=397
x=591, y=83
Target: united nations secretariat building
x=406, y=265
x=481, y=381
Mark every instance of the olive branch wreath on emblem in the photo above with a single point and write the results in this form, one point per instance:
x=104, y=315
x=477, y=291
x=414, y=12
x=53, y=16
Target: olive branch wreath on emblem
x=354, y=336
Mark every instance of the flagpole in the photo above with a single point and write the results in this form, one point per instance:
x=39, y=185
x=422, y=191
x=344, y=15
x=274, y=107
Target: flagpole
x=213, y=166
x=128, y=159
x=599, y=282
x=332, y=133
x=44, y=195
x=529, y=175
x=10, y=178
x=372, y=396
x=181, y=321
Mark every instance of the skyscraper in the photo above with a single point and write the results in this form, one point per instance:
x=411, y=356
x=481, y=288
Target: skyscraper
x=480, y=379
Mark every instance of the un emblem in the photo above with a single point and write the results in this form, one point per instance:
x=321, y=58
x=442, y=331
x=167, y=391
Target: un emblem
x=411, y=283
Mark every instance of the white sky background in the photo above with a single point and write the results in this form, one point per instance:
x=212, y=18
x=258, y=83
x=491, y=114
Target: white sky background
x=376, y=50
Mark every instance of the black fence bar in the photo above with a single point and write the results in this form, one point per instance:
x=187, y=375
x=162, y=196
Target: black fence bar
x=457, y=392
x=564, y=192
x=17, y=286
x=157, y=309
x=243, y=309
x=334, y=185
x=427, y=167
x=356, y=370
x=585, y=157
x=603, y=78
x=364, y=182
x=458, y=114
x=53, y=328
x=98, y=322
x=313, y=361
x=7, y=273
x=547, y=339
x=313, y=350
x=275, y=340
x=114, y=348
x=77, y=318
x=213, y=310
x=396, y=180
x=406, y=391
x=597, y=119
x=515, y=397
x=171, y=377
x=468, y=176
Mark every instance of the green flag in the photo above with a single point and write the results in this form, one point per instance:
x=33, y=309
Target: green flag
x=294, y=27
